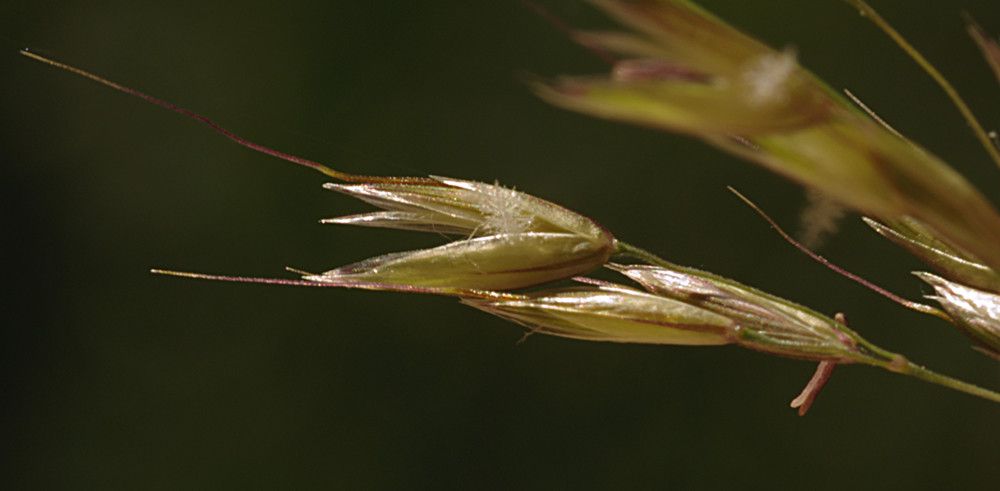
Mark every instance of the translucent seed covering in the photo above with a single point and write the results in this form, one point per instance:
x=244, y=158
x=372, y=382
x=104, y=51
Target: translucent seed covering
x=764, y=322
x=611, y=313
x=460, y=207
x=512, y=239
x=951, y=262
x=976, y=312
x=494, y=262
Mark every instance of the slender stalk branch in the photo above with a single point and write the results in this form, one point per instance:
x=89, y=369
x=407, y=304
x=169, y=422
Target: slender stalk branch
x=917, y=306
x=956, y=99
x=919, y=372
x=156, y=101
x=636, y=252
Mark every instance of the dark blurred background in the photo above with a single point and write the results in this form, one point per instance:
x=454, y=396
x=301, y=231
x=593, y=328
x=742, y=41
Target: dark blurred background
x=116, y=379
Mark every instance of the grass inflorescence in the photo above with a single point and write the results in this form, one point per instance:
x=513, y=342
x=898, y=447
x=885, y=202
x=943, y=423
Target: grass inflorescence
x=679, y=68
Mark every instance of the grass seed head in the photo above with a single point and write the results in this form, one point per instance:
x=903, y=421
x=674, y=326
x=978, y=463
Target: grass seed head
x=510, y=239
x=976, y=312
x=611, y=313
x=764, y=322
x=494, y=262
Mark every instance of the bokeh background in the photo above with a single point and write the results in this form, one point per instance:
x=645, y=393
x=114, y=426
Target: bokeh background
x=115, y=379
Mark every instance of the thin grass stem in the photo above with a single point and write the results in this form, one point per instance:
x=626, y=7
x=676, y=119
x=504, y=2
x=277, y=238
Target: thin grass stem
x=316, y=166
x=982, y=135
x=919, y=372
x=917, y=306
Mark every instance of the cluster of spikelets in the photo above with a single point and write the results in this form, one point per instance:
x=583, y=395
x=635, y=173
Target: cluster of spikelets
x=690, y=72
x=508, y=240
x=546, y=243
